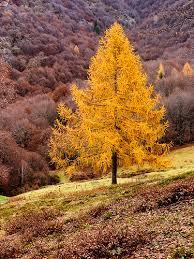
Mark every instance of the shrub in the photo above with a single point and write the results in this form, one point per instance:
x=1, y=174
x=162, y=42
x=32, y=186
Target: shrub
x=25, y=168
x=180, y=113
x=162, y=197
x=4, y=178
x=23, y=132
x=34, y=223
x=60, y=92
x=43, y=110
x=111, y=241
x=84, y=174
x=182, y=253
x=7, y=86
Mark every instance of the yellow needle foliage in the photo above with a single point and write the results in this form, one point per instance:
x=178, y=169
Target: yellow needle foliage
x=161, y=72
x=118, y=120
x=187, y=70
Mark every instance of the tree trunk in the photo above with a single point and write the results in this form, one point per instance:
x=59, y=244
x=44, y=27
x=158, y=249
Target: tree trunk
x=114, y=168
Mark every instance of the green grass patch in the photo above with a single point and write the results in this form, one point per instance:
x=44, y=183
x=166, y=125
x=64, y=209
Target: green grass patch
x=183, y=158
x=3, y=199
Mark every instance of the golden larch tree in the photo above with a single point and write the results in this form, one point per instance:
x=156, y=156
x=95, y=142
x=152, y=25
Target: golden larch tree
x=118, y=121
x=187, y=70
x=76, y=50
x=161, y=72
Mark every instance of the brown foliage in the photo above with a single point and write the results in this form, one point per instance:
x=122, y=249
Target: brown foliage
x=60, y=92
x=33, y=223
x=54, y=40
x=4, y=177
x=24, y=133
x=84, y=174
x=108, y=241
x=26, y=169
x=48, y=44
x=104, y=230
x=7, y=86
x=180, y=113
x=161, y=197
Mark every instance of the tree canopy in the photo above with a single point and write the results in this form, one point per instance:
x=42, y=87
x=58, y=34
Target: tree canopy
x=118, y=121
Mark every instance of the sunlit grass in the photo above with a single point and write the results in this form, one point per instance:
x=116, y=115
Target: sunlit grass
x=183, y=158
x=3, y=199
x=69, y=187
x=74, y=196
x=182, y=162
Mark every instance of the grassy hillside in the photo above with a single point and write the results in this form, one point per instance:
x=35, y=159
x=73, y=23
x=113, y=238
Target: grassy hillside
x=145, y=216
x=182, y=162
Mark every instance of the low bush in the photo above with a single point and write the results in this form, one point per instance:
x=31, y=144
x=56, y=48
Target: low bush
x=34, y=223
x=161, y=197
x=110, y=241
x=59, y=93
x=4, y=178
x=24, y=169
x=114, y=228
x=182, y=253
x=82, y=175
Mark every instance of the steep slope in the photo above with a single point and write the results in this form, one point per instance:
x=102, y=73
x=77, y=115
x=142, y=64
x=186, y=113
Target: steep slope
x=48, y=44
x=167, y=31
x=145, y=217
x=55, y=39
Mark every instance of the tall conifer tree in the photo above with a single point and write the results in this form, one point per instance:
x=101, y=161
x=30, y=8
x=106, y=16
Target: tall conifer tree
x=187, y=70
x=118, y=121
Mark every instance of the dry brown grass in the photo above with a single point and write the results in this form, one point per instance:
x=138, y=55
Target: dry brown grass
x=128, y=226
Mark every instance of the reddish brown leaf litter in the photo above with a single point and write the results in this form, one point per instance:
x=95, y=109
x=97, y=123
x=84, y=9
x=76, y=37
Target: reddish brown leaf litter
x=116, y=230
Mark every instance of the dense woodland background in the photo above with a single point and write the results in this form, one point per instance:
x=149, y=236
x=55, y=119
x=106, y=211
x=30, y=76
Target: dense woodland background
x=45, y=46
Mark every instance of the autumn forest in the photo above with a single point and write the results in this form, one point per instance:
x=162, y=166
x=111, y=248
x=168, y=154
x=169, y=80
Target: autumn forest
x=96, y=124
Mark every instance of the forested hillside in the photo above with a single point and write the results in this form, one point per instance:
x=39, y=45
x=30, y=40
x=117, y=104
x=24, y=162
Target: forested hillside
x=47, y=42
x=47, y=45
